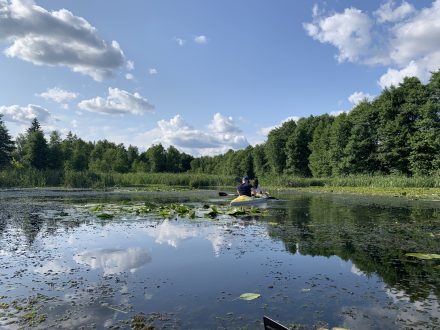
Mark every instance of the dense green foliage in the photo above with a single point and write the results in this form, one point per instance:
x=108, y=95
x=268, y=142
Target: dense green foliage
x=398, y=133
x=6, y=145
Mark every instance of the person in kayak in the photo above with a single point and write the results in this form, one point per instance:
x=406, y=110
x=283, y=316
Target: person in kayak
x=256, y=190
x=245, y=188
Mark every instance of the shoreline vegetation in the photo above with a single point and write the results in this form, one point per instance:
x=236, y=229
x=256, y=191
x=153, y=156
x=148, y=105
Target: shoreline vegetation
x=389, y=145
x=420, y=187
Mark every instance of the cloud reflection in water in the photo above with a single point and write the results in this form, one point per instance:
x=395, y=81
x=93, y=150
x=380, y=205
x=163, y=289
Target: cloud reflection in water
x=174, y=234
x=114, y=261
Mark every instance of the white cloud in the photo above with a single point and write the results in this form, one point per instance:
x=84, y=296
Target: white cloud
x=130, y=65
x=129, y=76
x=266, y=130
x=409, y=42
x=417, y=37
x=348, y=31
x=24, y=115
x=56, y=38
x=179, y=41
x=357, y=97
x=152, y=71
x=118, y=102
x=58, y=95
x=221, y=124
x=388, y=12
x=420, y=68
x=201, y=39
x=197, y=142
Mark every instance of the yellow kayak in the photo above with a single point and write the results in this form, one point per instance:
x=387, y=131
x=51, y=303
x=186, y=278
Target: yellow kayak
x=246, y=200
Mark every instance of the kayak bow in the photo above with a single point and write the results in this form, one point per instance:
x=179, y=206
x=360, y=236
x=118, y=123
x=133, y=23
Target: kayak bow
x=246, y=200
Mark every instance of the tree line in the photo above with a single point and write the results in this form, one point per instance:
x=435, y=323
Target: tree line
x=396, y=133
x=33, y=150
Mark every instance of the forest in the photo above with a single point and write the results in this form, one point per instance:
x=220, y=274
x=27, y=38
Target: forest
x=397, y=133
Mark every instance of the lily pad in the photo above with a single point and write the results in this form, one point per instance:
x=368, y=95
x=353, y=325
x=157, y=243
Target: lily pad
x=424, y=256
x=105, y=216
x=250, y=296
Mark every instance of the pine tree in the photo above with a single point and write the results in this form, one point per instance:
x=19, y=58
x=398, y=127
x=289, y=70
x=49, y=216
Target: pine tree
x=6, y=145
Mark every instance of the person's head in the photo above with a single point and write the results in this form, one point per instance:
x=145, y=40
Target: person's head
x=245, y=179
x=255, y=184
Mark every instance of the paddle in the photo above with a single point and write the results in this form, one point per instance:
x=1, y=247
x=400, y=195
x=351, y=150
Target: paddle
x=224, y=194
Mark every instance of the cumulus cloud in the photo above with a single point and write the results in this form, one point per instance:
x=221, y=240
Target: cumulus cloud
x=129, y=76
x=389, y=12
x=152, y=71
x=24, y=115
x=201, y=39
x=417, y=37
x=221, y=124
x=118, y=102
x=223, y=135
x=58, y=95
x=348, y=31
x=266, y=130
x=56, y=38
x=357, y=97
x=409, y=43
x=421, y=69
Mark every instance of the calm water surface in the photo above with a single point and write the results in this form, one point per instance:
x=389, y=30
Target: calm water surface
x=316, y=260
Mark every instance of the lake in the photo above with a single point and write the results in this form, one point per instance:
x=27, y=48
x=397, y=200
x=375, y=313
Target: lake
x=181, y=260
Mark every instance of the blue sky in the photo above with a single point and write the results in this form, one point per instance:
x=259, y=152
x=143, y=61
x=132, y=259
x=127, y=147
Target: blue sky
x=203, y=75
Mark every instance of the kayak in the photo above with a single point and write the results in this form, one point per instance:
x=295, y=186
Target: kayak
x=246, y=200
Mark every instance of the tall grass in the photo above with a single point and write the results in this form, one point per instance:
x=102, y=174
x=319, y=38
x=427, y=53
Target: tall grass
x=374, y=181
x=89, y=179
x=30, y=178
x=172, y=179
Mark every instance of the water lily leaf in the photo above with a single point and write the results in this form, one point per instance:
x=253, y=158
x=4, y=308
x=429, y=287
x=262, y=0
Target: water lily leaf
x=236, y=212
x=424, y=256
x=105, y=216
x=250, y=296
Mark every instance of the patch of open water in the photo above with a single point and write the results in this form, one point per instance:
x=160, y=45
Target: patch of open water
x=316, y=260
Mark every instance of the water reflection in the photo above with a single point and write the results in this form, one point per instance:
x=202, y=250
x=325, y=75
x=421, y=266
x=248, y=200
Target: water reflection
x=114, y=261
x=174, y=233
x=313, y=259
x=52, y=267
x=374, y=237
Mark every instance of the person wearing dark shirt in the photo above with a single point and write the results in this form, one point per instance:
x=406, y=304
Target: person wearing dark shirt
x=245, y=188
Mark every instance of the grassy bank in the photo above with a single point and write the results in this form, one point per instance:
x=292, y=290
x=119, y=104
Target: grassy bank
x=89, y=179
x=411, y=193
x=367, y=181
x=391, y=185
